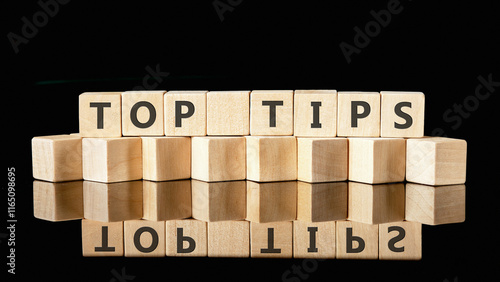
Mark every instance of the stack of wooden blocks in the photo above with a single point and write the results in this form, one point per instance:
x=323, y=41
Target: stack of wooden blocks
x=304, y=174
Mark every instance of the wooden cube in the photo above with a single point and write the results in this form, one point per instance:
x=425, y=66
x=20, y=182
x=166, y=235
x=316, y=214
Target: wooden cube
x=57, y=157
x=229, y=239
x=271, y=202
x=377, y=160
x=322, y=159
x=144, y=238
x=185, y=113
x=58, y=201
x=166, y=200
x=166, y=158
x=315, y=113
x=112, y=159
x=186, y=238
x=400, y=241
x=228, y=112
x=402, y=114
x=321, y=202
x=271, y=240
x=356, y=240
x=102, y=239
x=142, y=113
x=436, y=161
x=271, y=112
x=100, y=114
x=314, y=239
x=434, y=205
x=271, y=158
x=218, y=158
x=358, y=114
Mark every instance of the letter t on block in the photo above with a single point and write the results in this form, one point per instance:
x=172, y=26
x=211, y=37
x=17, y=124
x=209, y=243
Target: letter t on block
x=100, y=114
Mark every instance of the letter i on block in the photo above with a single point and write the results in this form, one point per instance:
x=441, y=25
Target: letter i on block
x=102, y=239
x=402, y=114
x=358, y=114
x=142, y=113
x=100, y=114
x=400, y=241
x=314, y=239
x=315, y=113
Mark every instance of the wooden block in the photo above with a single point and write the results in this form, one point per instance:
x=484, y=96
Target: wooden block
x=377, y=160
x=218, y=158
x=218, y=201
x=271, y=240
x=321, y=202
x=57, y=157
x=356, y=240
x=434, y=205
x=271, y=202
x=374, y=204
x=402, y=114
x=400, y=241
x=185, y=113
x=112, y=159
x=314, y=239
x=142, y=113
x=315, y=113
x=186, y=238
x=102, y=239
x=166, y=200
x=358, y=114
x=166, y=158
x=144, y=238
x=100, y=114
x=229, y=239
x=112, y=202
x=58, y=201
x=436, y=161
x=271, y=158
x=322, y=159
x=271, y=112
x=228, y=112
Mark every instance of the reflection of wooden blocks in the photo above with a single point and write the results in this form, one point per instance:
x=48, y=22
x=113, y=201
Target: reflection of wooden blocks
x=358, y=114
x=57, y=157
x=218, y=201
x=271, y=202
x=377, y=160
x=375, y=204
x=271, y=158
x=112, y=159
x=400, y=241
x=436, y=161
x=166, y=158
x=322, y=159
x=271, y=240
x=228, y=112
x=435, y=205
x=218, y=158
x=356, y=240
x=271, y=112
x=102, y=239
x=402, y=114
x=100, y=114
x=58, y=201
x=229, y=239
x=166, y=200
x=321, y=202
x=186, y=238
x=314, y=239
x=185, y=113
x=315, y=113
x=142, y=113
x=143, y=238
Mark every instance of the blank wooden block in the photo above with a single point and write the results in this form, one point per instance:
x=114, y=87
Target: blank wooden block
x=229, y=239
x=436, y=161
x=358, y=114
x=271, y=158
x=166, y=158
x=100, y=114
x=400, y=241
x=102, y=239
x=271, y=202
x=218, y=158
x=218, y=201
x=112, y=159
x=144, y=238
x=185, y=113
x=271, y=240
x=58, y=201
x=434, y=205
x=375, y=204
x=142, y=113
x=57, y=157
x=402, y=114
x=321, y=202
x=322, y=159
x=186, y=238
x=271, y=112
x=315, y=113
x=228, y=112
x=314, y=239
x=166, y=200
x=356, y=240
x=377, y=160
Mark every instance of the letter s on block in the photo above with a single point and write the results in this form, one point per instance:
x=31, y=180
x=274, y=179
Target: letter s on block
x=401, y=235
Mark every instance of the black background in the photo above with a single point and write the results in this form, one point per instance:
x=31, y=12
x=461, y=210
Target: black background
x=438, y=48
